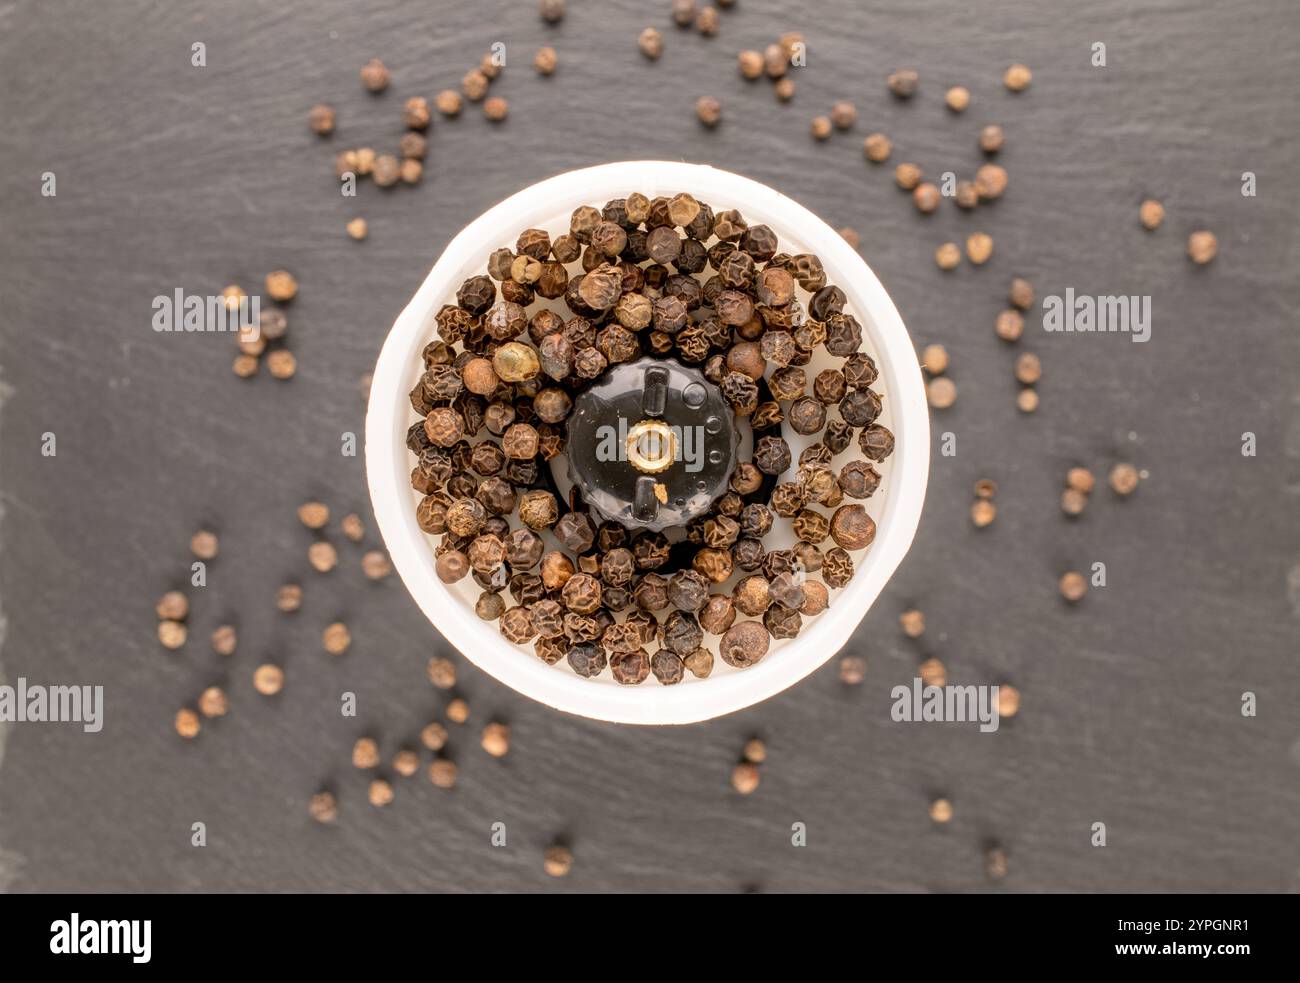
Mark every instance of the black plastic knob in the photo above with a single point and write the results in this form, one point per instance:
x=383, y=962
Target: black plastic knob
x=651, y=444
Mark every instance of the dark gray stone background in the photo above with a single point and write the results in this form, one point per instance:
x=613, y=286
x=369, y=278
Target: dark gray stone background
x=173, y=176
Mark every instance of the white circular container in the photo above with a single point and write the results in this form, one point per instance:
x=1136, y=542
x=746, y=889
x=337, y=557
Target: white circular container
x=896, y=506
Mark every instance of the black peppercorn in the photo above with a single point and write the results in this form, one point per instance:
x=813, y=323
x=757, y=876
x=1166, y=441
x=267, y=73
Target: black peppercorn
x=772, y=455
x=858, y=479
x=668, y=667
x=587, y=659
x=687, y=590
x=581, y=594
x=517, y=625
x=630, y=668
x=617, y=567
x=807, y=415
x=781, y=621
x=860, y=407
x=682, y=634
x=852, y=528
x=877, y=443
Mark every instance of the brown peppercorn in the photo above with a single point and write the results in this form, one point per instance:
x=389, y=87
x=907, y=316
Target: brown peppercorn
x=415, y=114
x=1080, y=479
x=1008, y=700
x=516, y=626
x=281, y=286
x=268, y=679
x=545, y=61
x=281, y=364
x=877, y=147
x=651, y=43
x=1028, y=368
x=991, y=181
x=245, y=366
x=934, y=359
x=451, y=566
x=816, y=598
x=581, y=593
x=321, y=118
x=1073, y=501
x=380, y=793
x=903, y=83
x=557, y=861
x=336, y=638
x=496, y=739
x=821, y=127
x=365, y=753
x=406, y=762
x=1124, y=479
x=474, y=85
x=448, y=102
x=967, y=195
x=957, y=98
x=709, y=110
x=288, y=597
x=991, y=138
x=489, y=606
x=941, y=392
x=852, y=528
x=552, y=11
x=434, y=736
x=187, y=723
x=314, y=515
x=173, y=606
x=907, y=176
x=1027, y=400
x=358, y=228
x=442, y=772
x=912, y=622
x=947, y=256
x=941, y=811
x=1017, y=78
x=1073, y=586
x=745, y=778
x=224, y=639
x=926, y=197
x=979, y=247
x=496, y=108
x=411, y=171
x=323, y=557
x=751, y=64
x=1151, y=213
x=1010, y=325
x=853, y=670
x=441, y=672
x=323, y=807
x=982, y=512
x=743, y=644
x=212, y=702
x=933, y=673
x=784, y=90
x=375, y=75
x=1202, y=246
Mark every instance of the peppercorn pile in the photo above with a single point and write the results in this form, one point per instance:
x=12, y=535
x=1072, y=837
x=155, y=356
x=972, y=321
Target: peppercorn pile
x=666, y=278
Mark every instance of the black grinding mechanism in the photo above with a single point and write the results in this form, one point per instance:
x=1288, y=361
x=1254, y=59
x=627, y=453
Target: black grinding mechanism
x=651, y=444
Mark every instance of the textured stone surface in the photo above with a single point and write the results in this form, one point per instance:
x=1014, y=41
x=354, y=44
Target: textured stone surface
x=173, y=176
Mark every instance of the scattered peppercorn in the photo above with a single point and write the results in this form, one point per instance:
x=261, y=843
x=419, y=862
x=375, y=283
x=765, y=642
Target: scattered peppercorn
x=745, y=778
x=941, y=811
x=321, y=119
x=1124, y=479
x=268, y=679
x=375, y=75
x=979, y=247
x=709, y=110
x=1202, y=246
x=991, y=138
x=323, y=807
x=651, y=43
x=903, y=83
x=912, y=622
x=941, y=392
x=545, y=61
x=948, y=256
x=496, y=739
x=1151, y=213
x=877, y=147
x=187, y=723
x=495, y=109
x=1017, y=78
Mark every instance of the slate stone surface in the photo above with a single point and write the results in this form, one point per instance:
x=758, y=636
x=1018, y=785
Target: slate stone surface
x=174, y=176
